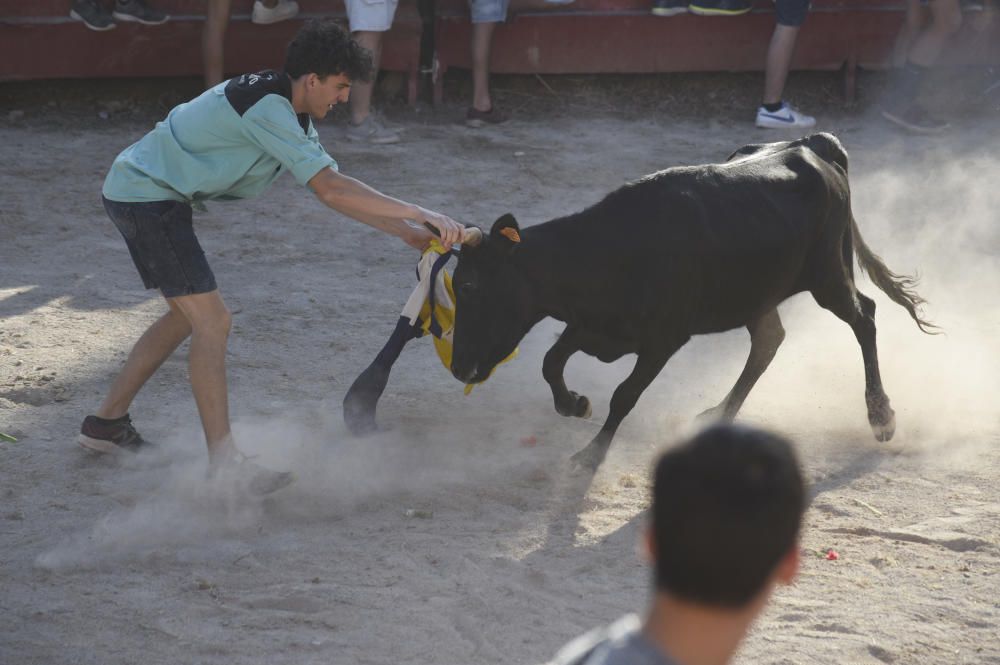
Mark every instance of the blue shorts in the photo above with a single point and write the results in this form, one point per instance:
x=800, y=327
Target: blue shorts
x=790, y=12
x=160, y=237
x=488, y=11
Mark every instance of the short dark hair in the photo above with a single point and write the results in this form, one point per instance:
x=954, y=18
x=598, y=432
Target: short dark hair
x=323, y=48
x=727, y=506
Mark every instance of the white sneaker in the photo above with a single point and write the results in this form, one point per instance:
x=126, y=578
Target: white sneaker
x=284, y=10
x=784, y=117
x=372, y=130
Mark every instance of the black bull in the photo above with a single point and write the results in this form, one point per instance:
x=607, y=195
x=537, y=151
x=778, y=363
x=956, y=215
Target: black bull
x=682, y=252
x=686, y=251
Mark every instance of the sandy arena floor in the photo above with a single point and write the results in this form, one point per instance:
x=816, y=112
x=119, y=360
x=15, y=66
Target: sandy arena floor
x=140, y=562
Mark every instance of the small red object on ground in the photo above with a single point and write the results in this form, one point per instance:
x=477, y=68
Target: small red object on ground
x=529, y=441
x=831, y=555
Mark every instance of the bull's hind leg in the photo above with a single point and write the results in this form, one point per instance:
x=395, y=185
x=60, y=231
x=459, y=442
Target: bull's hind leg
x=858, y=311
x=647, y=366
x=766, y=335
x=567, y=402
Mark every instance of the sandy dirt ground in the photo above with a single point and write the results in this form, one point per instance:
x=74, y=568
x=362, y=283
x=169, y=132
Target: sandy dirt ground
x=140, y=561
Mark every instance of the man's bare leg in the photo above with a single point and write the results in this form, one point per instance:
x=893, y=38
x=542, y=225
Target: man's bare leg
x=210, y=323
x=156, y=344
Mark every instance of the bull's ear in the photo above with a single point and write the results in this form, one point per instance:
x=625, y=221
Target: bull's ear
x=505, y=231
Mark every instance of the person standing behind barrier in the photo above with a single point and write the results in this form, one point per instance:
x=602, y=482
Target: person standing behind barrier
x=729, y=493
x=774, y=112
x=213, y=32
x=369, y=21
x=93, y=14
x=930, y=25
x=485, y=15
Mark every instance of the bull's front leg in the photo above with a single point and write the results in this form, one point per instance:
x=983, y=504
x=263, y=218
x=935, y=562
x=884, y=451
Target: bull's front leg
x=647, y=367
x=567, y=402
x=363, y=395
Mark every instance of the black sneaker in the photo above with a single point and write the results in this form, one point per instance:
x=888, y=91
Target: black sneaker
x=915, y=119
x=669, y=7
x=110, y=436
x=138, y=12
x=720, y=7
x=92, y=15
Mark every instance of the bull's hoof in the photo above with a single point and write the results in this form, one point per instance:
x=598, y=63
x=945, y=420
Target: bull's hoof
x=881, y=417
x=884, y=431
x=588, y=459
x=578, y=406
x=359, y=414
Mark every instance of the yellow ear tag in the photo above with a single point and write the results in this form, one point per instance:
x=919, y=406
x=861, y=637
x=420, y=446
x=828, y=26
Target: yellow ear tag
x=510, y=233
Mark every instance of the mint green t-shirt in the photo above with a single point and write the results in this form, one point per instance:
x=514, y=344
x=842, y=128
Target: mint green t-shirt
x=231, y=142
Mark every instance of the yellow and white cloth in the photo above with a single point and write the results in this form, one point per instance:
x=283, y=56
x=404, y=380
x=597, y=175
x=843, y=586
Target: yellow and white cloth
x=431, y=306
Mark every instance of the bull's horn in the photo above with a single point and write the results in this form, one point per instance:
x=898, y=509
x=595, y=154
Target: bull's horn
x=473, y=236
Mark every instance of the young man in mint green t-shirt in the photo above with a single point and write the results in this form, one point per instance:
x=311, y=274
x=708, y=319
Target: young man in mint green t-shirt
x=230, y=143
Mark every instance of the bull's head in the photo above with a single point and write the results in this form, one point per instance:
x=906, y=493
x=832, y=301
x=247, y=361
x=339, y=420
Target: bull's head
x=493, y=308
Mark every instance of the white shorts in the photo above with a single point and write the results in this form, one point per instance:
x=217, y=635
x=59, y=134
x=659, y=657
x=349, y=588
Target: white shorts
x=371, y=15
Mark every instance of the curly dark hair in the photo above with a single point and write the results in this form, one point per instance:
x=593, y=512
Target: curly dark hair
x=323, y=48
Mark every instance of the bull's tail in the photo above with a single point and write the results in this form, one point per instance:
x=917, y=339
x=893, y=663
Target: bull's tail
x=899, y=288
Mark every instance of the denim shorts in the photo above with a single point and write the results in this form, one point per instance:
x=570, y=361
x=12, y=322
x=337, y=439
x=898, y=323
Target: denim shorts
x=488, y=11
x=791, y=12
x=160, y=237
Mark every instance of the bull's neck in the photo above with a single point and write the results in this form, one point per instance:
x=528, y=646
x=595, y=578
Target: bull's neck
x=551, y=266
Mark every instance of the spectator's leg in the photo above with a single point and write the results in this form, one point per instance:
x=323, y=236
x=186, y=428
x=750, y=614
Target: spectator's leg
x=946, y=19
x=213, y=39
x=774, y=112
x=779, y=59
x=360, y=102
x=370, y=20
x=486, y=14
x=903, y=106
x=482, y=41
x=916, y=16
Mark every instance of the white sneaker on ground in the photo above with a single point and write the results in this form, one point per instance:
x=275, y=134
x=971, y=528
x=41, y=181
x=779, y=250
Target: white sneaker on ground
x=372, y=130
x=784, y=117
x=284, y=10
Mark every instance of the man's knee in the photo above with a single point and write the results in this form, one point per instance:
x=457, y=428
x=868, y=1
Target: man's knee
x=217, y=323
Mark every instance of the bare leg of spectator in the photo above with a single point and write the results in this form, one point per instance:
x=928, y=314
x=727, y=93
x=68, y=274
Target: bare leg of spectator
x=774, y=112
x=912, y=25
x=213, y=39
x=482, y=41
x=360, y=102
x=946, y=19
x=779, y=59
x=482, y=111
x=902, y=106
x=364, y=125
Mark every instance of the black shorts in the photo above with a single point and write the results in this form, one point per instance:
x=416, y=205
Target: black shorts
x=160, y=238
x=790, y=12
